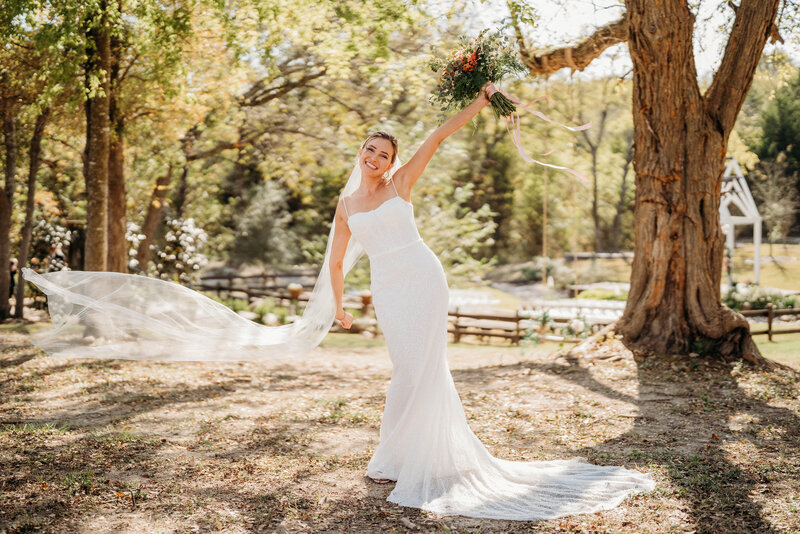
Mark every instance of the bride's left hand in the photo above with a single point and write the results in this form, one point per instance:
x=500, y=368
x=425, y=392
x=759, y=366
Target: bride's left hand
x=347, y=320
x=489, y=89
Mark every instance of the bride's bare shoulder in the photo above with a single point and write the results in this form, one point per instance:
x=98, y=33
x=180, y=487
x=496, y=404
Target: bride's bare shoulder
x=341, y=210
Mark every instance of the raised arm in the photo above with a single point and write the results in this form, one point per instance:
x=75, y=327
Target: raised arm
x=408, y=174
x=338, y=248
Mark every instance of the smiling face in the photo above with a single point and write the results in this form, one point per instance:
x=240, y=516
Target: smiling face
x=376, y=157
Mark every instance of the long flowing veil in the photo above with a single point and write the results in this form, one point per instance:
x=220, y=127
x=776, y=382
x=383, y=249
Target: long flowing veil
x=114, y=315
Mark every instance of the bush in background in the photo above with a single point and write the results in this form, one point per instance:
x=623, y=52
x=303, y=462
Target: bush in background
x=752, y=297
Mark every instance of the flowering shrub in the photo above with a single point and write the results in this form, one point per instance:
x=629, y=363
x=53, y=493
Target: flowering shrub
x=134, y=237
x=752, y=297
x=47, y=238
x=177, y=256
x=576, y=329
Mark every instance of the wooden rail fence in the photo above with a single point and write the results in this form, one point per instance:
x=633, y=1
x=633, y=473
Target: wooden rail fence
x=771, y=313
x=499, y=324
x=508, y=325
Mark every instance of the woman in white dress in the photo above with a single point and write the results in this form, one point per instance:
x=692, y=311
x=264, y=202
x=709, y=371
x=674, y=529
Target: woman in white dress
x=426, y=445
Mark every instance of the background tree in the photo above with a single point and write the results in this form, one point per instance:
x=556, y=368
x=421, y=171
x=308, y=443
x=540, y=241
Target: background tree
x=97, y=20
x=680, y=134
x=780, y=128
x=9, y=108
x=775, y=190
x=25, y=104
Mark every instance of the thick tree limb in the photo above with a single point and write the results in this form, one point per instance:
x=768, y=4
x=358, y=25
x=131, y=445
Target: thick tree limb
x=753, y=25
x=576, y=57
x=258, y=94
x=222, y=146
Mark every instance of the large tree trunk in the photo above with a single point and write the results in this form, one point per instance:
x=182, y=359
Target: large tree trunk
x=7, y=201
x=680, y=137
x=34, y=160
x=117, y=222
x=117, y=225
x=98, y=135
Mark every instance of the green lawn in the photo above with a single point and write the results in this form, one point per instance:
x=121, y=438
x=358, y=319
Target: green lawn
x=782, y=273
x=783, y=348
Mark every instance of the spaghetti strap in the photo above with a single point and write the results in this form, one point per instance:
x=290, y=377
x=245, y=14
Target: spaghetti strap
x=345, y=207
x=395, y=187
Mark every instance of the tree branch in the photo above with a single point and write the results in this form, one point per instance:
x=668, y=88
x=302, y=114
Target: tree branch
x=258, y=94
x=128, y=67
x=753, y=25
x=576, y=57
x=345, y=105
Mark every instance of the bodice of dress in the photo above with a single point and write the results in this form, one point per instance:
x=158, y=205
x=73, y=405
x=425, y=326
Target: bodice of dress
x=387, y=228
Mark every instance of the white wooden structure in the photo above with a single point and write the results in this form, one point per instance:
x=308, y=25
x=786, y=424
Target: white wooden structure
x=736, y=194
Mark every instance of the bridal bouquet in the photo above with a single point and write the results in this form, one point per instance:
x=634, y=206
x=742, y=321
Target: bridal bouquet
x=483, y=59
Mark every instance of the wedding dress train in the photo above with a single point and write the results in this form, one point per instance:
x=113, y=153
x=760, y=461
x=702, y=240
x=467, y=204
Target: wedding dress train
x=426, y=444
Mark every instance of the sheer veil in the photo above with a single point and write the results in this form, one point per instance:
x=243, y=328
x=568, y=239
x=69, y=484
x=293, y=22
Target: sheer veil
x=114, y=315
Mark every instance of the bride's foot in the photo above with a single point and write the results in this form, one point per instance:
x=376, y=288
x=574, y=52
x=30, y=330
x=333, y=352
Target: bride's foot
x=380, y=480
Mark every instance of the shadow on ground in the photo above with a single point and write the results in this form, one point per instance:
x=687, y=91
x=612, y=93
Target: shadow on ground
x=720, y=441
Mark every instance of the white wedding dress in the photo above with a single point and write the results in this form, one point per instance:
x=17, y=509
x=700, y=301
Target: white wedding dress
x=426, y=444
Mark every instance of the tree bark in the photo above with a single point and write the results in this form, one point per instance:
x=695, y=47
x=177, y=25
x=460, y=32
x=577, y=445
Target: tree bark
x=34, y=161
x=680, y=137
x=152, y=218
x=117, y=224
x=98, y=135
x=576, y=57
x=6, y=200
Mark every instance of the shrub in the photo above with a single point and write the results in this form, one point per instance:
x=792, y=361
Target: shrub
x=47, y=237
x=178, y=256
x=265, y=307
x=562, y=275
x=756, y=298
x=603, y=294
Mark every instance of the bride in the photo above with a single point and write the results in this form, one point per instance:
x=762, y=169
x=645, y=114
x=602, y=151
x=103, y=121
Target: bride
x=426, y=446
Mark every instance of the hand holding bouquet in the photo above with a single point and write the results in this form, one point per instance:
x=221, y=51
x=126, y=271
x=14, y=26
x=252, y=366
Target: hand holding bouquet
x=487, y=58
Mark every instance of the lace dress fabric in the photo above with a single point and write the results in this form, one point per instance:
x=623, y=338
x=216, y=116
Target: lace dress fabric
x=426, y=444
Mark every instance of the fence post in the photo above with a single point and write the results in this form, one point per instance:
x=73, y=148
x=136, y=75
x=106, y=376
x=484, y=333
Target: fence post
x=517, y=335
x=770, y=315
x=456, y=332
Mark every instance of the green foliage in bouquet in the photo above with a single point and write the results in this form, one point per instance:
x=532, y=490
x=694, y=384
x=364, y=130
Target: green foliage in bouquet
x=483, y=59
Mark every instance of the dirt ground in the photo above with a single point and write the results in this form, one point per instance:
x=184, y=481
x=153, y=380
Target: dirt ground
x=119, y=446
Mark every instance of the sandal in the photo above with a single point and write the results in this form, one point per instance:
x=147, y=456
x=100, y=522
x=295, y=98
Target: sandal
x=380, y=480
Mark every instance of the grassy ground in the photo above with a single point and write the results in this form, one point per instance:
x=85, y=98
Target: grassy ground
x=783, y=348
x=119, y=446
x=780, y=273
